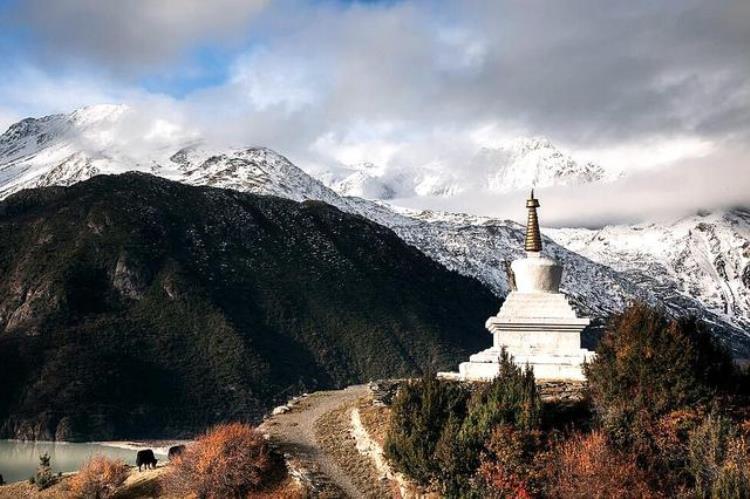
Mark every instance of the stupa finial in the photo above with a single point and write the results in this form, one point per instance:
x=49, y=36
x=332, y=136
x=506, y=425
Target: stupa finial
x=533, y=241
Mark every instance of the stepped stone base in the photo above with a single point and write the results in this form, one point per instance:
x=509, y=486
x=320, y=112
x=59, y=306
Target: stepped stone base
x=485, y=365
x=538, y=329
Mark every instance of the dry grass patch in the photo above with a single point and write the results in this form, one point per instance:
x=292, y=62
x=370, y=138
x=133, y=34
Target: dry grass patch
x=332, y=432
x=24, y=489
x=374, y=418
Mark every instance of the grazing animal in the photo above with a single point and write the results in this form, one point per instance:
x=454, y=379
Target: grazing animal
x=145, y=458
x=175, y=451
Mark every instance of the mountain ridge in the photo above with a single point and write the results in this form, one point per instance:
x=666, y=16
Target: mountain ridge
x=474, y=246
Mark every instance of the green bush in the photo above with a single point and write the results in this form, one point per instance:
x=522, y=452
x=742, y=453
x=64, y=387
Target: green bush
x=438, y=429
x=419, y=415
x=43, y=476
x=456, y=459
x=718, y=459
x=648, y=365
x=511, y=398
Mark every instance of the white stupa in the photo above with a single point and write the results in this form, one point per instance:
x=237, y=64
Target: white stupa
x=535, y=325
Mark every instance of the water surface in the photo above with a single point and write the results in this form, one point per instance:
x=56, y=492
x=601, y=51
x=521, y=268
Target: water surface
x=18, y=460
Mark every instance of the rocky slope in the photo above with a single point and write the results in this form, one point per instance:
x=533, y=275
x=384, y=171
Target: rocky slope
x=706, y=256
x=133, y=306
x=66, y=148
x=482, y=247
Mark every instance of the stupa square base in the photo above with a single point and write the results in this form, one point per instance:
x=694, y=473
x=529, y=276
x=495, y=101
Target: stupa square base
x=547, y=369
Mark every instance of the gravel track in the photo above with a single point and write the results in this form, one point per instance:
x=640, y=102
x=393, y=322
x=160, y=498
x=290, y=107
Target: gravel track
x=294, y=433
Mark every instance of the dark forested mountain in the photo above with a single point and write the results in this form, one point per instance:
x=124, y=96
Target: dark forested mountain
x=133, y=306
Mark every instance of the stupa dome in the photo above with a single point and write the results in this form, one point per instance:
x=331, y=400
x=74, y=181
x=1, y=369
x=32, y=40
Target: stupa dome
x=536, y=274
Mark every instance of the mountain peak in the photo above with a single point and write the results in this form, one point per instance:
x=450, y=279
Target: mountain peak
x=100, y=112
x=111, y=138
x=517, y=164
x=529, y=143
x=532, y=162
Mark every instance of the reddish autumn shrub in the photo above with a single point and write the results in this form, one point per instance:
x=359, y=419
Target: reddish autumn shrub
x=229, y=461
x=648, y=365
x=586, y=466
x=511, y=465
x=663, y=448
x=99, y=478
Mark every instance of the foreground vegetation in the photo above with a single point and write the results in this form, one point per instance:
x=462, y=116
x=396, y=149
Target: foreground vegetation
x=228, y=461
x=666, y=415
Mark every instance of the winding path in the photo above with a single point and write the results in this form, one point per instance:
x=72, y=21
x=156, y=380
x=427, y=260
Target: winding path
x=294, y=433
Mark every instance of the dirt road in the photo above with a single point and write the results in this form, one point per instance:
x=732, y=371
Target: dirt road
x=294, y=433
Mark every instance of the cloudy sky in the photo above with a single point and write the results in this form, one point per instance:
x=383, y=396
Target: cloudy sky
x=659, y=89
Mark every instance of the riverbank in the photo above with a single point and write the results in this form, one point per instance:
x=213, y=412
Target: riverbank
x=139, y=484
x=19, y=459
x=316, y=435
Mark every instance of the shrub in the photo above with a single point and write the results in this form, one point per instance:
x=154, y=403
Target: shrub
x=99, y=478
x=438, y=429
x=733, y=479
x=585, y=466
x=419, y=415
x=718, y=459
x=511, y=398
x=665, y=451
x=230, y=460
x=510, y=465
x=43, y=476
x=648, y=365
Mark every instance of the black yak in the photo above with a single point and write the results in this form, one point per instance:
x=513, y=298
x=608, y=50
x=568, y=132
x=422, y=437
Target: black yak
x=145, y=458
x=175, y=451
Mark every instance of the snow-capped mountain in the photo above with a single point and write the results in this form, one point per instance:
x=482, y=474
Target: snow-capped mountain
x=516, y=165
x=603, y=270
x=704, y=255
x=111, y=139
x=365, y=181
x=597, y=286
x=532, y=162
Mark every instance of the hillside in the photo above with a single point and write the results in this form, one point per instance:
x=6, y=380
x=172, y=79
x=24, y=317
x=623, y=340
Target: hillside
x=133, y=306
x=601, y=275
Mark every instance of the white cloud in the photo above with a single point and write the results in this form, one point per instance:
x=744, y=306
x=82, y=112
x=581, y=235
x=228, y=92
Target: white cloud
x=133, y=33
x=716, y=181
x=418, y=85
x=270, y=82
x=648, y=153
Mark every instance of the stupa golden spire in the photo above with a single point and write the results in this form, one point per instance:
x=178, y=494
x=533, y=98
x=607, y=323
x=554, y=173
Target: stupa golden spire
x=533, y=237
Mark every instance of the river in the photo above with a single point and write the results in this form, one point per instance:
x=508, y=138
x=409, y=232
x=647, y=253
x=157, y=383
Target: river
x=18, y=460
